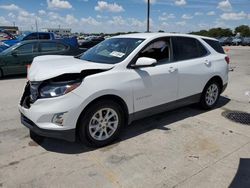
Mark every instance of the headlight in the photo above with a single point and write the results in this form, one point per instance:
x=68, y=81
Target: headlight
x=56, y=89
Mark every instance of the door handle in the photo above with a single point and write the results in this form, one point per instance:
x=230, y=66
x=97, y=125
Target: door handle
x=172, y=69
x=207, y=62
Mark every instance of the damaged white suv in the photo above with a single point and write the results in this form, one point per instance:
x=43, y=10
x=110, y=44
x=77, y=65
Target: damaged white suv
x=122, y=79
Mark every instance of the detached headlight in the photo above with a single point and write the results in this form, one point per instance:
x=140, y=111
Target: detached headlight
x=56, y=89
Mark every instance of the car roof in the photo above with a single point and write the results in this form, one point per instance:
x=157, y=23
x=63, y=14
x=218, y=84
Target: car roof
x=156, y=35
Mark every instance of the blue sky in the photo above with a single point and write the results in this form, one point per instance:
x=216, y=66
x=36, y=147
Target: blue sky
x=110, y=16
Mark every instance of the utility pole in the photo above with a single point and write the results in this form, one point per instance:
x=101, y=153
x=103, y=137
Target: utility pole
x=148, y=16
x=36, y=26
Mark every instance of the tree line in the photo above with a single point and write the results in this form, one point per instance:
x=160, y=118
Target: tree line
x=243, y=30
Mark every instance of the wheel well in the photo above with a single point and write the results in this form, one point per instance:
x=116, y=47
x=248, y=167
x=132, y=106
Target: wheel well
x=218, y=80
x=115, y=98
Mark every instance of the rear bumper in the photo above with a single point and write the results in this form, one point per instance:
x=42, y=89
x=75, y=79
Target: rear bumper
x=68, y=135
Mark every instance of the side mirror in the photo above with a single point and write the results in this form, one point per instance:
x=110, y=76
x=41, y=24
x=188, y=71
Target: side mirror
x=144, y=62
x=14, y=53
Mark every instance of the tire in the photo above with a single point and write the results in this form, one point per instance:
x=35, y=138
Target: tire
x=37, y=138
x=95, y=126
x=210, y=95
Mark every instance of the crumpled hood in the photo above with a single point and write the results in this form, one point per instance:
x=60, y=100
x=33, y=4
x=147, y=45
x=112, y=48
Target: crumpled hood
x=50, y=66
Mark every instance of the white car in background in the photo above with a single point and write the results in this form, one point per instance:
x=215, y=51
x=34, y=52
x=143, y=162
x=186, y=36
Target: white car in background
x=122, y=79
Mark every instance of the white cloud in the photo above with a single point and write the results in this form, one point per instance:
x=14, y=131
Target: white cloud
x=3, y=21
x=41, y=12
x=180, y=2
x=203, y=25
x=164, y=16
x=182, y=23
x=112, y=7
x=186, y=17
x=225, y=5
x=11, y=15
x=198, y=13
x=98, y=16
x=117, y=20
x=61, y=4
x=70, y=19
x=211, y=13
x=90, y=21
x=136, y=23
x=10, y=7
x=234, y=16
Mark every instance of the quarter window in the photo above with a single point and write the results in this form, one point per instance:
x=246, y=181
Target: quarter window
x=215, y=45
x=187, y=48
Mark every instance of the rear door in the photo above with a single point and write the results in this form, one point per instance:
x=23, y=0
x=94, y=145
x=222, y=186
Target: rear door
x=194, y=65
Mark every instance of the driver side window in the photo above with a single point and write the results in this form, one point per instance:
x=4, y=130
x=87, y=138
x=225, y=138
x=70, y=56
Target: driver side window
x=159, y=50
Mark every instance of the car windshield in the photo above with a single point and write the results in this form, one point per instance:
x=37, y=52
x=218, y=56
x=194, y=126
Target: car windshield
x=111, y=51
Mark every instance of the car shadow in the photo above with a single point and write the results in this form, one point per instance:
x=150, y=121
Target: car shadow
x=11, y=77
x=159, y=121
x=242, y=176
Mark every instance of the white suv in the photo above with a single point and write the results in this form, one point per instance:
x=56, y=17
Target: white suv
x=122, y=79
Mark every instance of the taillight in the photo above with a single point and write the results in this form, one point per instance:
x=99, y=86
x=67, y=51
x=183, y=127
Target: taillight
x=227, y=59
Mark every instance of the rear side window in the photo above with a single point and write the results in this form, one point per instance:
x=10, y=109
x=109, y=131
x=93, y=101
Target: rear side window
x=48, y=46
x=187, y=48
x=45, y=36
x=215, y=45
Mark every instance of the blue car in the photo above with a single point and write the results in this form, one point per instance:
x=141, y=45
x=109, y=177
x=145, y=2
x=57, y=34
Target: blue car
x=36, y=36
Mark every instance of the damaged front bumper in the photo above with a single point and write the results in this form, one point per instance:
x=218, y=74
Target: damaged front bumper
x=51, y=117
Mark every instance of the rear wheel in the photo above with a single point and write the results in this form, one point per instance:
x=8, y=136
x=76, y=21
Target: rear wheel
x=210, y=95
x=101, y=124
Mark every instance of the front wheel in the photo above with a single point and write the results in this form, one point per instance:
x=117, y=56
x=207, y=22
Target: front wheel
x=210, y=95
x=101, y=123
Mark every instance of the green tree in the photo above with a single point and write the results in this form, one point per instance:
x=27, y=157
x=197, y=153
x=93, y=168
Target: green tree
x=244, y=30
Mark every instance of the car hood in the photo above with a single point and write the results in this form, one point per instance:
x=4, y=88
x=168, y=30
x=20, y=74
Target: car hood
x=50, y=66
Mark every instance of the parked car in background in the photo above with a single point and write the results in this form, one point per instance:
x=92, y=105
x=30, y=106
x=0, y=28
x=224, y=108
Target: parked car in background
x=237, y=41
x=15, y=59
x=38, y=36
x=5, y=35
x=246, y=41
x=89, y=42
x=120, y=80
x=225, y=41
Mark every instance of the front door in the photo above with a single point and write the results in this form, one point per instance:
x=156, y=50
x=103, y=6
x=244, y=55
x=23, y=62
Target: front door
x=156, y=85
